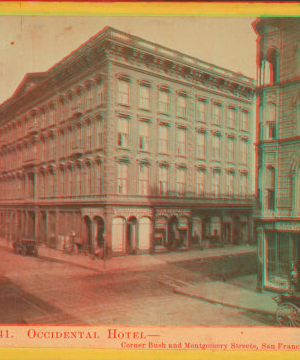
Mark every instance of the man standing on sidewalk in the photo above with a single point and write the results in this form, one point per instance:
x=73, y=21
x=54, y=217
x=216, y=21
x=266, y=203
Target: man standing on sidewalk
x=294, y=278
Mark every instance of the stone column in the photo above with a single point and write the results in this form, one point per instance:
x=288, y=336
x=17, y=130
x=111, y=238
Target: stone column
x=36, y=230
x=108, y=232
x=56, y=226
x=26, y=224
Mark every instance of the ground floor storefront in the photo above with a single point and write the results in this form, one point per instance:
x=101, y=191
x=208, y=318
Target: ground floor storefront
x=128, y=230
x=278, y=248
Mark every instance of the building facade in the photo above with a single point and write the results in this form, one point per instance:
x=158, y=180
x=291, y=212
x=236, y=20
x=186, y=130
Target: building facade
x=129, y=144
x=278, y=150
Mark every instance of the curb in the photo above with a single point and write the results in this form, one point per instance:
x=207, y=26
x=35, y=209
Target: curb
x=211, y=257
x=260, y=311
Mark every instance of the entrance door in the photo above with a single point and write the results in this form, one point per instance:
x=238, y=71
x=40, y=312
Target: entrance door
x=31, y=225
x=173, y=233
x=131, y=241
x=87, y=233
x=99, y=237
x=43, y=230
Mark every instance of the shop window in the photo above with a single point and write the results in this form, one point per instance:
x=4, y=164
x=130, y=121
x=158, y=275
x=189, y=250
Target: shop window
x=278, y=259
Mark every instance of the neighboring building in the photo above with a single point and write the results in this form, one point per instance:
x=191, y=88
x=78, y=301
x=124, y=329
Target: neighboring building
x=132, y=144
x=278, y=150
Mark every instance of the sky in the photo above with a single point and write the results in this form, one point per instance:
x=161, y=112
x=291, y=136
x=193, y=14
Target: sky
x=36, y=43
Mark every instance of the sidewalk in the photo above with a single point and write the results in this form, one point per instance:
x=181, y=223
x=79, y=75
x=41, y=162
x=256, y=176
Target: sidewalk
x=135, y=262
x=231, y=295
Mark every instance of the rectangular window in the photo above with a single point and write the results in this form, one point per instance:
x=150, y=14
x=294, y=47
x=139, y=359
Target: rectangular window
x=163, y=101
x=201, y=144
x=231, y=117
x=200, y=182
x=182, y=106
x=230, y=184
x=217, y=114
x=243, y=184
x=163, y=180
x=144, y=179
x=123, y=132
x=99, y=133
x=181, y=141
x=216, y=147
x=144, y=97
x=272, y=130
x=144, y=136
x=123, y=92
x=89, y=136
x=181, y=181
x=89, y=98
x=100, y=94
x=163, y=139
x=201, y=110
x=244, y=120
x=244, y=151
x=122, y=178
x=216, y=183
x=230, y=149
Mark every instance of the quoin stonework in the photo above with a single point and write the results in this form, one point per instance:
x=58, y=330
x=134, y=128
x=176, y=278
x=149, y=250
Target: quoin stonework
x=277, y=212
x=141, y=148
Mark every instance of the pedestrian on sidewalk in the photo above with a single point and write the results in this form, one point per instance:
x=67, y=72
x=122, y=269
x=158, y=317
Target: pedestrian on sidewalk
x=294, y=277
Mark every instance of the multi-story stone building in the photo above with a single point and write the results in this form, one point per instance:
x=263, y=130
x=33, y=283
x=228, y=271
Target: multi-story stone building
x=130, y=144
x=278, y=150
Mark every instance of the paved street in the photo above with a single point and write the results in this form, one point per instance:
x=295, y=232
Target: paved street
x=41, y=291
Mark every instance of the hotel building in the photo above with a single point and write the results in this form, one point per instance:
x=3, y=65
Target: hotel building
x=129, y=144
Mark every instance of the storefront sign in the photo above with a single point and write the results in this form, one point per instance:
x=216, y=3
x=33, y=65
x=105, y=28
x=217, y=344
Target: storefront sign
x=168, y=212
x=282, y=226
x=132, y=212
